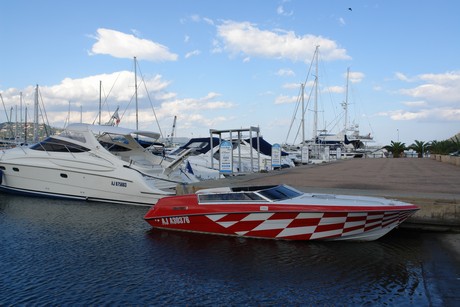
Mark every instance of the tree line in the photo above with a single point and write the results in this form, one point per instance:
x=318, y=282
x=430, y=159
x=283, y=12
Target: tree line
x=446, y=147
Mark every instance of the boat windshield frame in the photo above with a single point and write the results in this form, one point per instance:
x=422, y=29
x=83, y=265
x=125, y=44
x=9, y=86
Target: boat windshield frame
x=268, y=194
x=280, y=192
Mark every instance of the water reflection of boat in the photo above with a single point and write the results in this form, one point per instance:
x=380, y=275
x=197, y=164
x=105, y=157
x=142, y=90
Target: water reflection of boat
x=279, y=212
x=91, y=162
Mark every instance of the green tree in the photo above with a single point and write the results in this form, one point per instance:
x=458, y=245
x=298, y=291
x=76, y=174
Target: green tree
x=396, y=148
x=420, y=147
x=455, y=143
x=442, y=147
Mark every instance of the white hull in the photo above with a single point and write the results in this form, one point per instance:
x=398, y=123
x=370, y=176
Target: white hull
x=81, y=180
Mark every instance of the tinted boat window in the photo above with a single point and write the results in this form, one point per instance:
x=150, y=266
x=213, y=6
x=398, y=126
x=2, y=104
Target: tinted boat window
x=73, y=135
x=51, y=144
x=114, y=143
x=280, y=193
x=113, y=147
x=220, y=197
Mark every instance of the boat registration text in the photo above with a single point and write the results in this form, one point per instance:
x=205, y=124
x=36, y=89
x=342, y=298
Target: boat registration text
x=175, y=220
x=119, y=184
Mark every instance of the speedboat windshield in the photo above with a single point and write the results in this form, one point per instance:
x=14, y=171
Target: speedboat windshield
x=271, y=194
x=280, y=192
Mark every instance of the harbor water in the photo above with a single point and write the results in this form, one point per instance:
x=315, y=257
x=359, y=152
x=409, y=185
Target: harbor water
x=56, y=252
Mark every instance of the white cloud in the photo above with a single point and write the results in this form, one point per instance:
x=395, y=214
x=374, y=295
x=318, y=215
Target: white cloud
x=192, y=105
x=195, y=18
x=335, y=89
x=292, y=86
x=355, y=76
x=282, y=99
x=192, y=53
x=285, y=72
x=419, y=103
x=434, y=114
x=446, y=78
x=402, y=77
x=208, y=21
x=197, y=122
x=438, y=89
x=122, y=45
x=434, y=97
x=246, y=39
x=216, y=47
x=280, y=11
x=81, y=96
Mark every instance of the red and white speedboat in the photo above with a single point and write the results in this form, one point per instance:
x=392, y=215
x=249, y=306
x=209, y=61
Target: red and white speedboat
x=279, y=212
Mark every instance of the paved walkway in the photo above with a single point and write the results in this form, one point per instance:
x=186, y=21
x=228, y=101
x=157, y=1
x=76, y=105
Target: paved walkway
x=433, y=185
x=383, y=177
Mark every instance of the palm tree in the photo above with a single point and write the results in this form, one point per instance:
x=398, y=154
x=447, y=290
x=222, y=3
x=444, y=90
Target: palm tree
x=442, y=147
x=420, y=147
x=396, y=148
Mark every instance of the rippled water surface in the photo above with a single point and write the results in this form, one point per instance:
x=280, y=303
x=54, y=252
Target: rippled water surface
x=76, y=253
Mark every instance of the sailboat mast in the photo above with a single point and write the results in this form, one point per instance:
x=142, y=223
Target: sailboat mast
x=25, y=127
x=20, y=116
x=303, y=113
x=345, y=104
x=36, y=115
x=16, y=125
x=20, y=107
x=100, y=101
x=315, y=122
x=135, y=86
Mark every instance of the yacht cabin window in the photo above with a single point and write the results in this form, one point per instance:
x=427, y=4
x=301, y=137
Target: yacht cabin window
x=57, y=145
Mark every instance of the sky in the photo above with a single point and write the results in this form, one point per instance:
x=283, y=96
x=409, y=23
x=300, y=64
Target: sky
x=236, y=64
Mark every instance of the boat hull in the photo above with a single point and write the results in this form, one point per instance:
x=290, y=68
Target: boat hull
x=103, y=185
x=266, y=221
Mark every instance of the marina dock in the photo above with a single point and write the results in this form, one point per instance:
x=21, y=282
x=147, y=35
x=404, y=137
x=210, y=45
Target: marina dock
x=430, y=184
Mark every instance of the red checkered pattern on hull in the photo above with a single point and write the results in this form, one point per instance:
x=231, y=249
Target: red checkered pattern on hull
x=307, y=226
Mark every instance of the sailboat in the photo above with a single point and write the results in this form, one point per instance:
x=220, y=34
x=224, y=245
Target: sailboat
x=347, y=143
x=309, y=151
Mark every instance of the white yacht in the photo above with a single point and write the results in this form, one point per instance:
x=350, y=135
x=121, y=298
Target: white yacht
x=203, y=154
x=91, y=162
